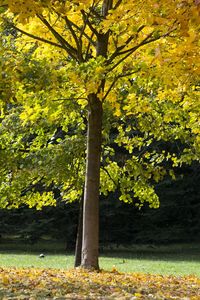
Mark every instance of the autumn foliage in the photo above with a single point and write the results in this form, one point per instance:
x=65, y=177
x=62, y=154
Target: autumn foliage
x=78, y=284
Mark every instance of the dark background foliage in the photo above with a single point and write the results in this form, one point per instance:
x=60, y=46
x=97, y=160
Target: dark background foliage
x=176, y=221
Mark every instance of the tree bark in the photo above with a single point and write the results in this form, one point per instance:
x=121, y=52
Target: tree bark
x=90, y=246
x=79, y=237
x=90, y=243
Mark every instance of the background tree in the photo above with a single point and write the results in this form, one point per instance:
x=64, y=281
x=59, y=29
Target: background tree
x=110, y=49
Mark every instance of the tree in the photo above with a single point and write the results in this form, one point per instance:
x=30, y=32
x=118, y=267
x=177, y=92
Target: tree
x=139, y=61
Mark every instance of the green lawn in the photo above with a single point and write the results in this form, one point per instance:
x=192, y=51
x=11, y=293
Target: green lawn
x=176, y=260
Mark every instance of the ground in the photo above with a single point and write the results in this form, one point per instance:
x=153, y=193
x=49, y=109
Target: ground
x=32, y=284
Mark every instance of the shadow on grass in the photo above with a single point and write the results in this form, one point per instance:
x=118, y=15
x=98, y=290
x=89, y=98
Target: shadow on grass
x=179, y=252
x=151, y=252
x=21, y=247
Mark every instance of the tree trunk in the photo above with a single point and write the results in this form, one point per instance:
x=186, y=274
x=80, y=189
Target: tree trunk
x=90, y=247
x=79, y=237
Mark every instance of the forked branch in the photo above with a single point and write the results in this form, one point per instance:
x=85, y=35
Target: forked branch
x=70, y=49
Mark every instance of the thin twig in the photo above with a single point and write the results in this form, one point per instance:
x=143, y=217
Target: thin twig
x=104, y=169
x=75, y=98
x=70, y=50
x=86, y=20
x=35, y=37
x=110, y=88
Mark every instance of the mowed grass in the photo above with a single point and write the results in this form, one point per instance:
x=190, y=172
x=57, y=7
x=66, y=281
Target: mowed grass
x=177, y=260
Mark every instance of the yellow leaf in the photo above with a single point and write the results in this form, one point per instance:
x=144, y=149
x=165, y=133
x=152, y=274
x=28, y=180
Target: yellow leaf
x=138, y=295
x=5, y=280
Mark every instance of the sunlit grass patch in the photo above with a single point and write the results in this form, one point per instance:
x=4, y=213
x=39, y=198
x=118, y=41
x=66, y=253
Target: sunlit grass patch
x=179, y=260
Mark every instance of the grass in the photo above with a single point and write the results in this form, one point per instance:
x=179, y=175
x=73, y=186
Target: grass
x=166, y=260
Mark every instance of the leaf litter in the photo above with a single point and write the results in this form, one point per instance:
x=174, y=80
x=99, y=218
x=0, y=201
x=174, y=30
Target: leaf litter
x=39, y=284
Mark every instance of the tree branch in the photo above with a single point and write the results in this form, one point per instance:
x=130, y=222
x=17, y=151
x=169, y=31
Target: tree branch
x=35, y=37
x=138, y=46
x=146, y=41
x=86, y=20
x=106, y=6
x=77, y=41
x=81, y=30
x=70, y=50
x=69, y=25
x=130, y=51
x=117, y=52
x=103, y=168
x=110, y=88
x=117, y=4
x=115, y=80
x=70, y=99
x=84, y=34
x=88, y=48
